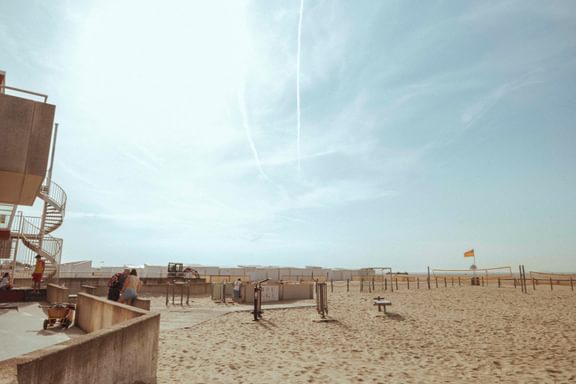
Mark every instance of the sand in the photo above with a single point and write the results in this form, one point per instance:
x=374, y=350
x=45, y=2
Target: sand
x=443, y=335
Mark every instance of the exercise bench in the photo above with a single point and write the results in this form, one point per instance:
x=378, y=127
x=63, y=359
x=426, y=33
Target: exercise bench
x=381, y=303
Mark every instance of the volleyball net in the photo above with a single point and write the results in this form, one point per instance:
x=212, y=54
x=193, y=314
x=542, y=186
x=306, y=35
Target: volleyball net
x=488, y=273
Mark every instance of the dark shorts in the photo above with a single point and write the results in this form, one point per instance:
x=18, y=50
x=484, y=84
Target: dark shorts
x=113, y=294
x=37, y=277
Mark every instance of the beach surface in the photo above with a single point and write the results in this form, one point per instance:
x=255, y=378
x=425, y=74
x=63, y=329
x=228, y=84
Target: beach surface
x=443, y=335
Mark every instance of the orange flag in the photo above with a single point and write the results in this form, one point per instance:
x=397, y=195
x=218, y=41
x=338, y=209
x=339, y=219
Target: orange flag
x=469, y=253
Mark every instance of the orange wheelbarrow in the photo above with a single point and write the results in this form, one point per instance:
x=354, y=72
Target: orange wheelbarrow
x=59, y=314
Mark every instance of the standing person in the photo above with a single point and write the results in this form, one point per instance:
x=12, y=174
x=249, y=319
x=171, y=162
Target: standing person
x=132, y=285
x=236, y=289
x=5, y=282
x=38, y=273
x=116, y=283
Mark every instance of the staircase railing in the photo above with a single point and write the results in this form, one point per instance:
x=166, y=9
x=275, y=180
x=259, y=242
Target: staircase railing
x=35, y=234
x=55, y=194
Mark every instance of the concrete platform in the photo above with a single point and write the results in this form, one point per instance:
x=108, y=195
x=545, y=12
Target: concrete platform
x=21, y=330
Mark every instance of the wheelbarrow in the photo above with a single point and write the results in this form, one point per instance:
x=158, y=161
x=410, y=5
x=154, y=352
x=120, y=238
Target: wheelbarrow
x=59, y=314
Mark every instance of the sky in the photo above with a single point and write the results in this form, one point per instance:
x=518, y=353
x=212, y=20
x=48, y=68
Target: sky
x=342, y=134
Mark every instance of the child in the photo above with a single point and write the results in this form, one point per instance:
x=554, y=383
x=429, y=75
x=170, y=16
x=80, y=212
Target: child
x=38, y=272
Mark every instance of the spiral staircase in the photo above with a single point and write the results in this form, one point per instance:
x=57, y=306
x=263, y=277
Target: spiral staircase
x=35, y=234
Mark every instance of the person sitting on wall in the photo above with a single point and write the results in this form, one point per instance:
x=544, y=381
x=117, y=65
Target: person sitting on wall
x=38, y=273
x=131, y=287
x=116, y=283
x=5, y=282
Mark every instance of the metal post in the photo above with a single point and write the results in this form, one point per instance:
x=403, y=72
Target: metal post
x=428, y=277
x=167, y=293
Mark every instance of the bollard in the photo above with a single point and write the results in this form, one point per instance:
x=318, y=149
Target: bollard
x=322, y=299
x=167, y=293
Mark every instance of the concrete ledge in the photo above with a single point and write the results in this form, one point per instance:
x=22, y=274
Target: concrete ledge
x=13, y=295
x=56, y=294
x=84, y=288
x=141, y=303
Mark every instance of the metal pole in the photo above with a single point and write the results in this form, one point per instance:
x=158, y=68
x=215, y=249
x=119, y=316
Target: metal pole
x=49, y=178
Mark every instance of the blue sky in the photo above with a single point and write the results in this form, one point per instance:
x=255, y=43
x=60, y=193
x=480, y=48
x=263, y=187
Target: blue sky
x=426, y=129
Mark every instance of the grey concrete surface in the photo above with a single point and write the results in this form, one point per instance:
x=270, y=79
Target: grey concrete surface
x=21, y=330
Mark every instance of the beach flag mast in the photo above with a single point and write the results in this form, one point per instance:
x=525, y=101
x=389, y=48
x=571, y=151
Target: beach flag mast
x=470, y=253
x=473, y=267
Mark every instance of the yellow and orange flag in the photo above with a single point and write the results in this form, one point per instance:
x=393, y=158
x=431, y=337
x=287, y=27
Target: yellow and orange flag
x=469, y=253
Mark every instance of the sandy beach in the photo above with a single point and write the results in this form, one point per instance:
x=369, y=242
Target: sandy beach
x=443, y=335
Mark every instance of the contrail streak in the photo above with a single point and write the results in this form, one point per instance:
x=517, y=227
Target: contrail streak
x=242, y=103
x=298, y=84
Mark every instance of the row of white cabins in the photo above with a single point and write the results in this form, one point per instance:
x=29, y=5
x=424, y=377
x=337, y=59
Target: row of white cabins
x=85, y=269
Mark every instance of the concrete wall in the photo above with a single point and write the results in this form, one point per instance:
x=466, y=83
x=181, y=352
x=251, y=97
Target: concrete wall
x=56, y=294
x=152, y=286
x=95, y=313
x=278, y=292
x=124, y=352
x=297, y=291
x=25, y=134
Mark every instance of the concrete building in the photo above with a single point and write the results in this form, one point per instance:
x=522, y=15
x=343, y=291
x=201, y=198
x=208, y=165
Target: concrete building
x=26, y=134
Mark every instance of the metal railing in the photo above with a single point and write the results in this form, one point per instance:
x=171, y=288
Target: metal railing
x=55, y=194
x=4, y=87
